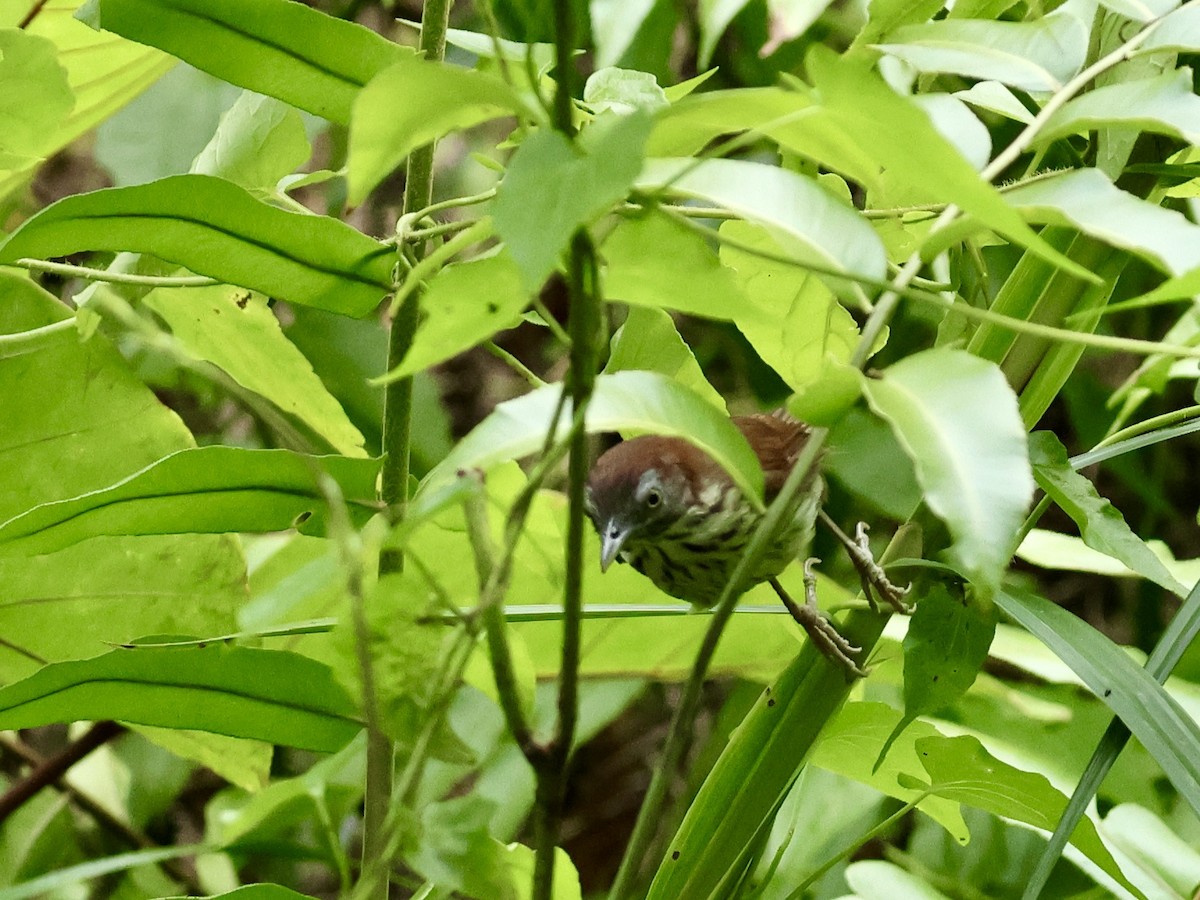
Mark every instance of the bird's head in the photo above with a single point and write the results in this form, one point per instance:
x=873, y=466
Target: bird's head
x=641, y=487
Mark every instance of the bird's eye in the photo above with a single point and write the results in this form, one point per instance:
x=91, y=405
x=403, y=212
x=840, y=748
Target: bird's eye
x=653, y=497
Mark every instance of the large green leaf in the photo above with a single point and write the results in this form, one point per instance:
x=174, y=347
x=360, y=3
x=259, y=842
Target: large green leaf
x=623, y=401
x=236, y=691
x=414, y=102
x=38, y=97
x=1164, y=105
x=1086, y=199
x=1101, y=524
x=648, y=340
x=553, y=187
x=806, y=220
x=790, y=317
x=687, y=126
x=958, y=420
x=75, y=416
x=216, y=228
x=862, y=128
x=274, y=47
x=1154, y=717
x=103, y=73
x=202, y=490
x=1040, y=55
x=236, y=330
x=257, y=142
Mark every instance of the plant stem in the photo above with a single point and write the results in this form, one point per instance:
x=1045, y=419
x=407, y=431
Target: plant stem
x=586, y=328
x=397, y=448
x=69, y=271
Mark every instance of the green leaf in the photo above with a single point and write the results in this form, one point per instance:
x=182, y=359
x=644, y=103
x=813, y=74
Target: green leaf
x=202, y=490
x=1179, y=31
x=1101, y=524
x=805, y=220
x=554, y=187
x=104, y=73
x=1041, y=55
x=94, y=868
x=414, y=102
x=258, y=141
x=1163, y=105
x=566, y=878
x=876, y=879
x=241, y=762
x=236, y=330
x=996, y=98
x=683, y=273
x=945, y=647
x=285, y=50
x=1156, y=719
x=715, y=16
x=37, y=95
x=961, y=769
x=623, y=401
x=217, y=229
x=454, y=849
x=463, y=305
x=865, y=130
x=623, y=91
x=857, y=737
x=791, y=318
x=76, y=416
x=227, y=690
x=957, y=418
x=1155, y=846
x=647, y=340
x=884, y=16
x=1086, y=199
x=1067, y=553
x=288, y=802
x=696, y=120
x=257, y=892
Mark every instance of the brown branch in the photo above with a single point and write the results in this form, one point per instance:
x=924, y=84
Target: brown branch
x=31, y=15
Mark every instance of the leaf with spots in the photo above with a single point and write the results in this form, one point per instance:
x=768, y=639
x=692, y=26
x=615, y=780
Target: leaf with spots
x=962, y=769
x=464, y=305
x=946, y=645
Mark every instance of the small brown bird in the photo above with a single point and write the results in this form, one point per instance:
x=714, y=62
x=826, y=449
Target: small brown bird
x=672, y=512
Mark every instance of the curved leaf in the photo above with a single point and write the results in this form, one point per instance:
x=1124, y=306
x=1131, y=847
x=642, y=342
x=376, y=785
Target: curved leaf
x=1086, y=199
x=274, y=47
x=216, y=228
x=203, y=490
x=553, y=187
x=643, y=402
x=1033, y=56
x=1164, y=105
x=804, y=218
x=958, y=420
x=463, y=304
x=236, y=330
x=237, y=691
x=683, y=273
x=411, y=103
x=1154, y=717
x=1100, y=524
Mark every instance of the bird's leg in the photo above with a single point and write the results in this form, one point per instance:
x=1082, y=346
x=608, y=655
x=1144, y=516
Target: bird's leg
x=870, y=573
x=820, y=630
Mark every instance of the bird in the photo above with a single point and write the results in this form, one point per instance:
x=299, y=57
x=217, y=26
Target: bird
x=671, y=511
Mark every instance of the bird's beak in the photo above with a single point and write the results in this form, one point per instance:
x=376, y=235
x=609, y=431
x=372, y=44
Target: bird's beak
x=612, y=538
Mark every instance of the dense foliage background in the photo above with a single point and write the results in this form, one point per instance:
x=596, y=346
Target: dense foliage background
x=296, y=592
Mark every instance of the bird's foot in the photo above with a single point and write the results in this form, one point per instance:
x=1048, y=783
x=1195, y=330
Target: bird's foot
x=872, y=574
x=820, y=630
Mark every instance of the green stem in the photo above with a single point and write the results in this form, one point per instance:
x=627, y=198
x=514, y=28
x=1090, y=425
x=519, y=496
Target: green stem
x=586, y=326
x=882, y=827
x=69, y=271
x=397, y=448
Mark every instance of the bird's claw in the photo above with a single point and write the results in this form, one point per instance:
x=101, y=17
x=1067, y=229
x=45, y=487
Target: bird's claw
x=872, y=575
x=820, y=630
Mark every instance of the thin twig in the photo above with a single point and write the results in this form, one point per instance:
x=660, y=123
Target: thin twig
x=69, y=271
